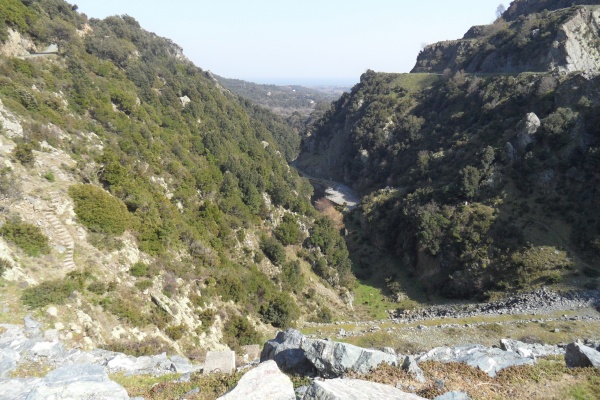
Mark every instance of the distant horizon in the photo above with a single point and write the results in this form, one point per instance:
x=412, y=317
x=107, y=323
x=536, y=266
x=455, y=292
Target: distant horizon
x=301, y=43
x=306, y=82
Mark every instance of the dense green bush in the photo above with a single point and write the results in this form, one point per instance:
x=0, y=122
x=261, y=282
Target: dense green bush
x=288, y=231
x=291, y=276
x=327, y=238
x=27, y=237
x=98, y=210
x=273, y=249
x=238, y=331
x=280, y=311
x=139, y=269
x=49, y=292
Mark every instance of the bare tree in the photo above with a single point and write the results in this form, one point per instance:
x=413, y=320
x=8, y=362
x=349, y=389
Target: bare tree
x=500, y=10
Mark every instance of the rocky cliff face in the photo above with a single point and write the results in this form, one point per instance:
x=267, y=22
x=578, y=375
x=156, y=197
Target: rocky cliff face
x=520, y=8
x=564, y=40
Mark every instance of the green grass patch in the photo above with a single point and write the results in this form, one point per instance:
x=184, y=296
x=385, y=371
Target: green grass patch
x=416, y=82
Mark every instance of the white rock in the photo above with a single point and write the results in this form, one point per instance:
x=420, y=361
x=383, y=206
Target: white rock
x=354, y=389
x=51, y=335
x=52, y=311
x=263, y=382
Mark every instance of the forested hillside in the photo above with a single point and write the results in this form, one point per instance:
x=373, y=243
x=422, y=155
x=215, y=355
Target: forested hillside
x=165, y=203
x=283, y=100
x=479, y=182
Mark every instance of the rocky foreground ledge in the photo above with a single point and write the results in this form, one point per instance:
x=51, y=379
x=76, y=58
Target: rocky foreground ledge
x=76, y=374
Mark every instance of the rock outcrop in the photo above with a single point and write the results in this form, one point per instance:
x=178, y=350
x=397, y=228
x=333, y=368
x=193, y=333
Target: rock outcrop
x=534, y=42
x=531, y=350
x=354, y=389
x=489, y=360
x=295, y=353
x=578, y=355
x=263, y=382
x=77, y=381
x=75, y=374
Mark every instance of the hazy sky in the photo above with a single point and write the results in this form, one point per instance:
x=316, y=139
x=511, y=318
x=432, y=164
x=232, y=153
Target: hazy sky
x=301, y=41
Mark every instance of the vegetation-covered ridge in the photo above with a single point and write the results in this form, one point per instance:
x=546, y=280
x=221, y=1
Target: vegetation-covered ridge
x=169, y=167
x=479, y=182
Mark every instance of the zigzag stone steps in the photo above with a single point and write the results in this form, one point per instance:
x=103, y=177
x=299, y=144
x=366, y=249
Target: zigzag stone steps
x=62, y=235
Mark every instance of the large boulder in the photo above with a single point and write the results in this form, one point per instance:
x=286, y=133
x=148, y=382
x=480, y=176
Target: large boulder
x=489, y=360
x=578, y=355
x=333, y=359
x=297, y=354
x=354, y=389
x=263, y=382
x=286, y=352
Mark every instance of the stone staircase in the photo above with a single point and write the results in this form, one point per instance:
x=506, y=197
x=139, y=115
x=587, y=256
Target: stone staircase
x=63, y=237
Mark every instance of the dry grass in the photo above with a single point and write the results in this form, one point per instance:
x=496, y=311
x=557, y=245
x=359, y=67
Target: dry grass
x=166, y=387
x=326, y=207
x=31, y=369
x=549, y=379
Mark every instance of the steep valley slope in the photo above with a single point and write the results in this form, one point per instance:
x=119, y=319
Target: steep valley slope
x=479, y=170
x=144, y=208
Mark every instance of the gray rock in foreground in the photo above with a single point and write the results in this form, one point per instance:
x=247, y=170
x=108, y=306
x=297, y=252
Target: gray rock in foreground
x=263, y=382
x=489, y=360
x=77, y=382
x=413, y=369
x=333, y=359
x=286, y=352
x=354, y=389
x=297, y=354
x=579, y=355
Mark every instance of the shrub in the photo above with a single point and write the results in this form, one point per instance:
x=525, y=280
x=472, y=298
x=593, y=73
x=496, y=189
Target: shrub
x=139, y=269
x=143, y=284
x=23, y=152
x=324, y=315
x=280, y=312
x=98, y=287
x=27, y=237
x=46, y=293
x=238, y=331
x=4, y=265
x=292, y=276
x=126, y=309
x=49, y=176
x=207, y=318
x=147, y=347
x=98, y=210
x=273, y=249
x=10, y=187
x=175, y=332
x=288, y=231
